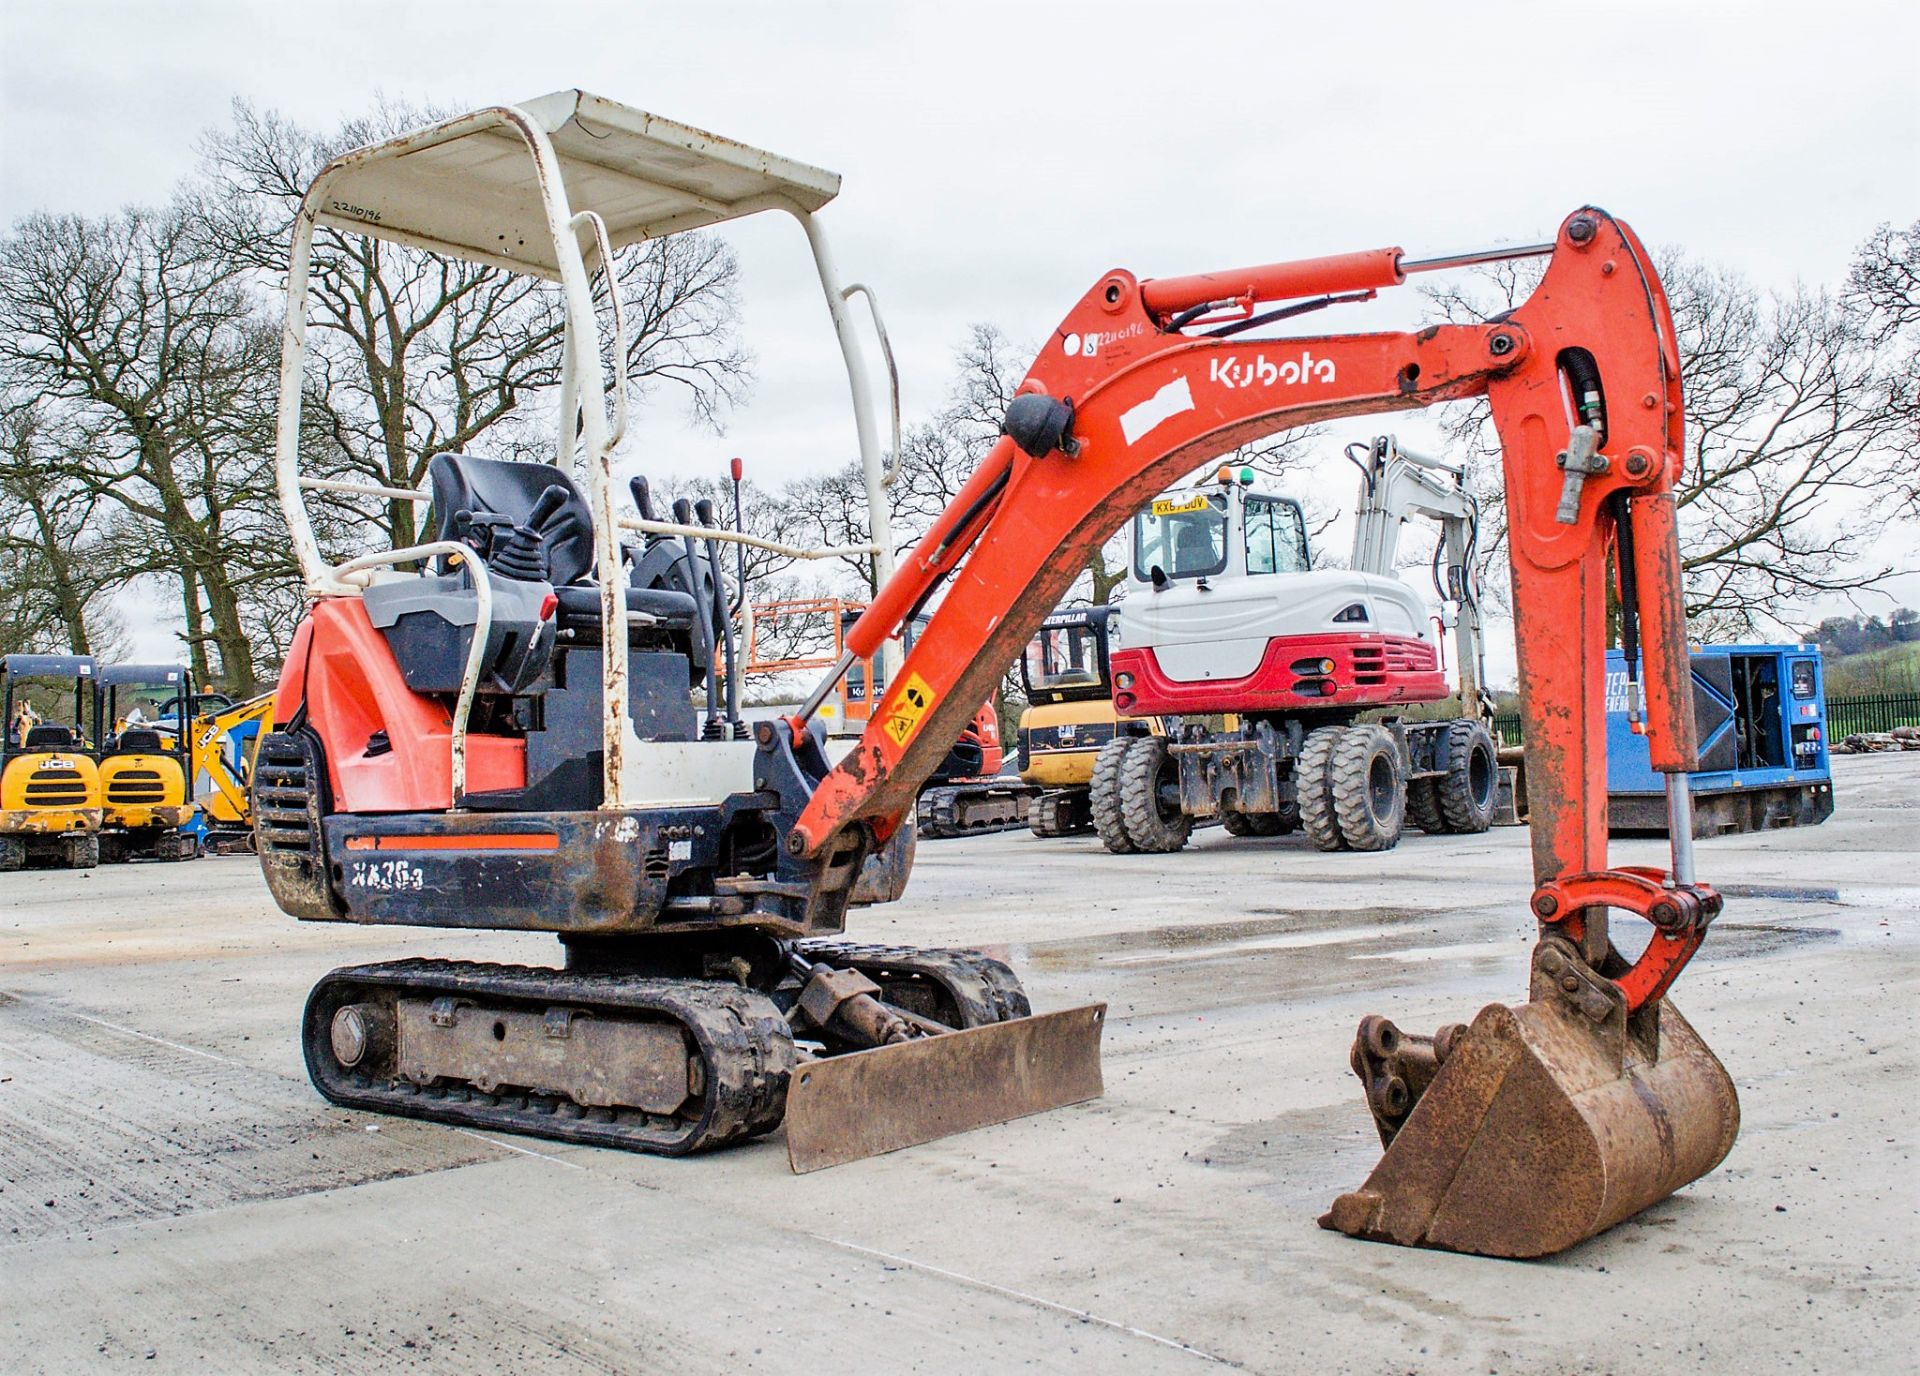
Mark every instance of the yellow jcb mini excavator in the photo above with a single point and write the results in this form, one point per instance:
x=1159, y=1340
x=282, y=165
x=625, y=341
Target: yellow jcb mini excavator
x=505, y=738
x=49, y=784
x=145, y=762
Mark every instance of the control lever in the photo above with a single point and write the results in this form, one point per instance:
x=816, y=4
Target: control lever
x=642, y=492
x=1581, y=457
x=703, y=631
x=516, y=551
x=722, y=620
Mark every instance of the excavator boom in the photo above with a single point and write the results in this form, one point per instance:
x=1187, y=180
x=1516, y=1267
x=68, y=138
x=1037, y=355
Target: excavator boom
x=1143, y=382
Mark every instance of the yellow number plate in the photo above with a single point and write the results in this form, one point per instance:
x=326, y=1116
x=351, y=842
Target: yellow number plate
x=1173, y=506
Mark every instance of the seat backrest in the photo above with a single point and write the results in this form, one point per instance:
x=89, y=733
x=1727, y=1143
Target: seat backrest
x=1194, y=549
x=464, y=484
x=50, y=738
x=139, y=740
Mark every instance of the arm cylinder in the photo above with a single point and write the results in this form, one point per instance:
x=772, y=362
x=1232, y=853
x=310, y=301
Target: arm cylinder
x=1343, y=272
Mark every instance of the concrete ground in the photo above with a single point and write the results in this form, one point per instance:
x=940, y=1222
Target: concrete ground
x=173, y=1192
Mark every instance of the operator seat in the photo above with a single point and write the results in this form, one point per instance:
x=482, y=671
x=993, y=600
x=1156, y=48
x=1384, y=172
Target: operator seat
x=138, y=740
x=480, y=502
x=1193, y=549
x=50, y=737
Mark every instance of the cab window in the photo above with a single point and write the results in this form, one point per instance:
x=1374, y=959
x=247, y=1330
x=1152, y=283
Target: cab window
x=1184, y=537
x=1062, y=657
x=1276, y=536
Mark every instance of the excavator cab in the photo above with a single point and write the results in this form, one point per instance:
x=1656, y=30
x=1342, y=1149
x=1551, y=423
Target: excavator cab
x=145, y=752
x=1070, y=716
x=530, y=721
x=50, y=804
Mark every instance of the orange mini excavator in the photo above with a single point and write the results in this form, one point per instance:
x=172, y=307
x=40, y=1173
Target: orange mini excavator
x=503, y=738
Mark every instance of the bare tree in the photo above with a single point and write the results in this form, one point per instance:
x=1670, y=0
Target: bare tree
x=158, y=378
x=1790, y=410
x=414, y=355
x=51, y=566
x=1884, y=290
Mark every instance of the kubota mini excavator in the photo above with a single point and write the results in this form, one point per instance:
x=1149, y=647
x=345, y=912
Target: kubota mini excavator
x=426, y=762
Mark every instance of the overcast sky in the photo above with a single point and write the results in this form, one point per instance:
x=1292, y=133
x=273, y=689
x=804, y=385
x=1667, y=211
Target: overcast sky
x=998, y=157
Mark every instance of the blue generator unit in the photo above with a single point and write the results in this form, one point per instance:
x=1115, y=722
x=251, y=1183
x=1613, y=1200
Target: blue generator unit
x=1760, y=712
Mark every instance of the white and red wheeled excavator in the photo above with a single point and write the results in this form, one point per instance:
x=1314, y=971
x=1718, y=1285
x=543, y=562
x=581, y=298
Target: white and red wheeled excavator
x=1226, y=617
x=504, y=738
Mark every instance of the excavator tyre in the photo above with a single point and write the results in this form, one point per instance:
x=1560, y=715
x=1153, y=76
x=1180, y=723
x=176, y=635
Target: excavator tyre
x=1538, y=1126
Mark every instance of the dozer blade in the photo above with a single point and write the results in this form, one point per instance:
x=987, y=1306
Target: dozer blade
x=844, y=1108
x=1542, y=1126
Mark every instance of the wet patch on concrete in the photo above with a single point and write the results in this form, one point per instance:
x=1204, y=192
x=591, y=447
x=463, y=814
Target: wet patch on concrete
x=1743, y=940
x=1786, y=893
x=1293, y=926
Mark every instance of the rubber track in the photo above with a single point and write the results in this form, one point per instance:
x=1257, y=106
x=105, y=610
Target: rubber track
x=1107, y=819
x=937, y=814
x=742, y=1038
x=985, y=990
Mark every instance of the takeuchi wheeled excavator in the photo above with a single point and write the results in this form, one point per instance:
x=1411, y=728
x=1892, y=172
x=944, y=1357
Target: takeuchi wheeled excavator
x=1226, y=617
x=470, y=768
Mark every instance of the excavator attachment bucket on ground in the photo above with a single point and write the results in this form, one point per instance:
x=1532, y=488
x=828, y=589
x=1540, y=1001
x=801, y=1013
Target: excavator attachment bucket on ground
x=1538, y=1126
x=843, y=1108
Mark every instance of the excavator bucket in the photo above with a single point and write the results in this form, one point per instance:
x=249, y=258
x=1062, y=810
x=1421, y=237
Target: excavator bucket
x=844, y=1108
x=1537, y=1127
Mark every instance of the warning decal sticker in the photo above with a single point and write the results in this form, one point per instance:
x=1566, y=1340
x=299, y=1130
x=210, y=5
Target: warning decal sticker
x=903, y=716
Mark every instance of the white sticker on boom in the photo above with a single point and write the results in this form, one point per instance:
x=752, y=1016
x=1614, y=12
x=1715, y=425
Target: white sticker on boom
x=1164, y=404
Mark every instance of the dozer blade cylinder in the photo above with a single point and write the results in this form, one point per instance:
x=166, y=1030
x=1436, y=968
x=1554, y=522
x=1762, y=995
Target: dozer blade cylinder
x=848, y=1107
x=1543, y=1128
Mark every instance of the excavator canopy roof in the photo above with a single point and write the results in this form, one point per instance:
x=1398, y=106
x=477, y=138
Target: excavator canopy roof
x=152, y=675
x=47, y=666
x=469, y=187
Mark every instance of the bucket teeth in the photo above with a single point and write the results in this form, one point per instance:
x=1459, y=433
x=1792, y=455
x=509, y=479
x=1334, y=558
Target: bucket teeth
x=1537, y=1127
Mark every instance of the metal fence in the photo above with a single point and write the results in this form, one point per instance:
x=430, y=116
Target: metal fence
x=1863, y=712
x=1846, y=716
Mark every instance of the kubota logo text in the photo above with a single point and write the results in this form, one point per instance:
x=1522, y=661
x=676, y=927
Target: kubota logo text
x=1264, y=372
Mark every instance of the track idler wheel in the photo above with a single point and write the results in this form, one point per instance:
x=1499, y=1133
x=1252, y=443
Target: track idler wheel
x=1538, y=1126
